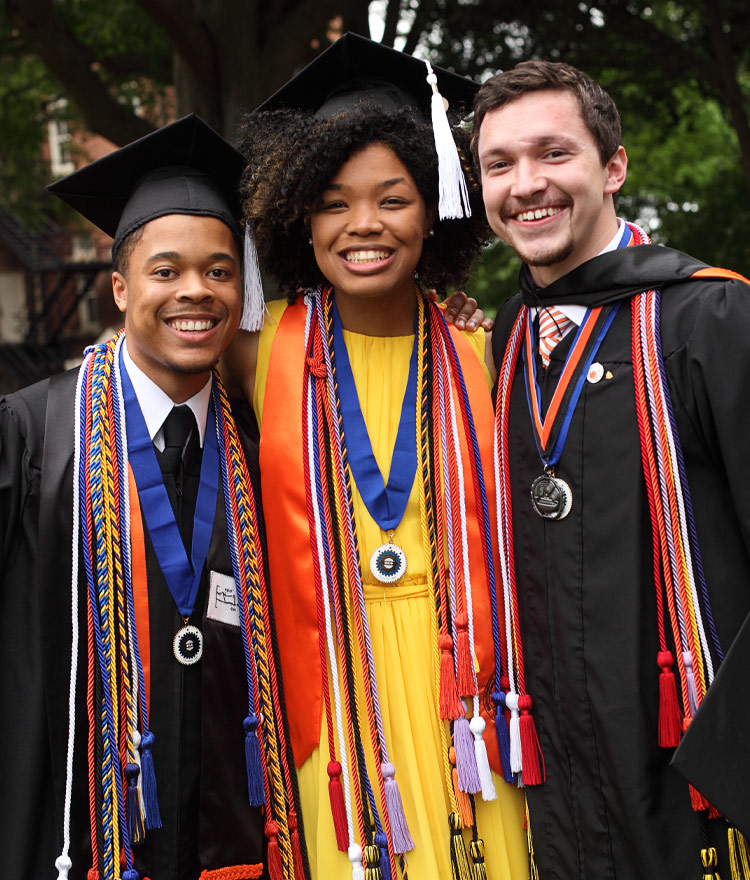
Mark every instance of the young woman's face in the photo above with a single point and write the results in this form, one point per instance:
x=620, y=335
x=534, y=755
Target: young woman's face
x=369, y=225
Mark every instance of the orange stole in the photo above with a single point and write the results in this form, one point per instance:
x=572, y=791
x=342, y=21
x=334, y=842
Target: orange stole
x=288, y=531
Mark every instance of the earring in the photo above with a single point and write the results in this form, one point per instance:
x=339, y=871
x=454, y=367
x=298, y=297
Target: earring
x=309, y=240
x=431, y=233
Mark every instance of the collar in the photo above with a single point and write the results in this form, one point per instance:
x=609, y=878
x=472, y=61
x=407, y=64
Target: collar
x=156, y=405
x=577, y=313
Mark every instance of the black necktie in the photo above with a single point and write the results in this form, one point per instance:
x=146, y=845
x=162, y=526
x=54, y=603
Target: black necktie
x=181, y=452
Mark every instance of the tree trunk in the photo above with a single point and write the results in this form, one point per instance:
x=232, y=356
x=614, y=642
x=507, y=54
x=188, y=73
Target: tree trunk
x=733, y=95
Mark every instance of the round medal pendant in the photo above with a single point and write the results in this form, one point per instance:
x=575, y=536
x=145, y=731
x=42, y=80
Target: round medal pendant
x=551, y=497
x=187, y=645
x=388, y=563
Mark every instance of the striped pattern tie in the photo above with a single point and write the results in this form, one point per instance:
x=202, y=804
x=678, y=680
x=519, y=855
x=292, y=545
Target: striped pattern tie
x=553, y=325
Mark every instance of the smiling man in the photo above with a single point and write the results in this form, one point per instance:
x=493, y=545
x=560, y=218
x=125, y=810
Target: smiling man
x=146, y=630
x=623, y=370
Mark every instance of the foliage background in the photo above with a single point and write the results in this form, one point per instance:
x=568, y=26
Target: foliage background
x=679, y=72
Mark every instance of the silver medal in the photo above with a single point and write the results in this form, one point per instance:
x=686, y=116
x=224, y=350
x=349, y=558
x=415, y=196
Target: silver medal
x=187, y=645
x=551, y=497
x=388, y=563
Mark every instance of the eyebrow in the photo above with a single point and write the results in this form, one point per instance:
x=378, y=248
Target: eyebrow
x=218, y=256
x=383, y=185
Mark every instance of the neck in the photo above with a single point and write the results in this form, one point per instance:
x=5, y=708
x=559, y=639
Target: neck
x=388, y=315
x=582, y=252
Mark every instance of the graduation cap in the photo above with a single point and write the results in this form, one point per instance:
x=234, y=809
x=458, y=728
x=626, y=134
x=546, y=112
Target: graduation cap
x=183, y=168
x=355, y=70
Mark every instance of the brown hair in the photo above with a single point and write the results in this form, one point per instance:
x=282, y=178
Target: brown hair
x=597, y=108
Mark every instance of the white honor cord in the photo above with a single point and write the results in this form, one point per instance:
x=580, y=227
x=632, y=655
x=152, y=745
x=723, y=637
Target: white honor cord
x=63, y=862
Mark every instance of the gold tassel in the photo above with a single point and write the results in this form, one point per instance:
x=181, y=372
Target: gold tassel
x=460, y=868
x=710, y=862
x=739, y=854
x=372, y=863
x=478, y=869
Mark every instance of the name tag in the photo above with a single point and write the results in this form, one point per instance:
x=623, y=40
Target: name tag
x=223, y=604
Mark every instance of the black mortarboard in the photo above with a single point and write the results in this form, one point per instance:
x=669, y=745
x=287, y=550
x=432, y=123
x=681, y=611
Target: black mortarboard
x=714, y=754
x=355, y=69
x=183, y=168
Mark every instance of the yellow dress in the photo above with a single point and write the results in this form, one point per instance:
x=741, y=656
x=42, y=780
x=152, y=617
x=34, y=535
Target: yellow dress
x=399, y=620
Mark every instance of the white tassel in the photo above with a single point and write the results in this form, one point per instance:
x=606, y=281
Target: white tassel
x=477, y=725
x=687, y=658
x=454, y=194
x=511, y=701
x=254, y=304
x=355, y=857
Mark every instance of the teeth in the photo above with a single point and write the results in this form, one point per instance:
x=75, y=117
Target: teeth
x=194, y=326
x=365, y=256
x=539, y=213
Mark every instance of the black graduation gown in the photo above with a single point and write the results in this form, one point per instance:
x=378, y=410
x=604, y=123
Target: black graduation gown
x=196, y=712
x=612, y=806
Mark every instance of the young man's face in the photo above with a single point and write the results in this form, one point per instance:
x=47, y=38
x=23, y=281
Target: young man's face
x=546, y=191
x=182, y=301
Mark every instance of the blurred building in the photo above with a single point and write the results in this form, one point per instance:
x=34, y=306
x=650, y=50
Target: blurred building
x=55, y=287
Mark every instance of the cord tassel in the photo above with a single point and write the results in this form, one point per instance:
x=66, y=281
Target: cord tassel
x=255, y=791
x=533, y=774
x=273, y=854
x=451, y=706
x=454, y=194
x=463, y=802
x=670, y=722
x=372, y=861
x=133, y=804
x=338, y=808
x=511, y=701
x=381, y=841
x=478, y=868
x=466, y=762
x=739, y=854
x=254, y=305
x=299, y=868
x=148, y=780
x=503, y=734
x=477, y=726
x=460, y=868
x=709, y=862
x=402, y=839
x=355, y=857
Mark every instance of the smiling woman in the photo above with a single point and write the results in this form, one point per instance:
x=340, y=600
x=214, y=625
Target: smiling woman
x=375, y=432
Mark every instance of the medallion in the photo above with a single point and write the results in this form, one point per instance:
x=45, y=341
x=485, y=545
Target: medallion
x=551, y=497
x=388, y=563
x=187, y=645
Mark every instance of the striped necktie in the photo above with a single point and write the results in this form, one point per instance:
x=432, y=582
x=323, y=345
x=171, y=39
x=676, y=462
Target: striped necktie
x=553, y=325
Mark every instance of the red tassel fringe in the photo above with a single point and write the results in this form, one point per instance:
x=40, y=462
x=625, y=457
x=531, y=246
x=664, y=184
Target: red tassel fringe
x=670, y=721
x=273, y=857
x=450, y=703
x=299, y=868
x=338, y=808
x=533, y=773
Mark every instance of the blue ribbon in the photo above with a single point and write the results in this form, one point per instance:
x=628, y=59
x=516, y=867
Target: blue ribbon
x=182, y=575
x=551, y=457
x=386, y=504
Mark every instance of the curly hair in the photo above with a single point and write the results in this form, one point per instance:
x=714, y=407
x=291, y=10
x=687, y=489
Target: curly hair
x=292, y=157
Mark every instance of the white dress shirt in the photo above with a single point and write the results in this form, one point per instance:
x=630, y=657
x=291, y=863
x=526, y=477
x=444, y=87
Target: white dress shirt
x=156, y=405
x=574, y=312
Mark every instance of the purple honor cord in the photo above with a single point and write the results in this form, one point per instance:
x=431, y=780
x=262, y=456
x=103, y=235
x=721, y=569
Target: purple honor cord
x=182, y=575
